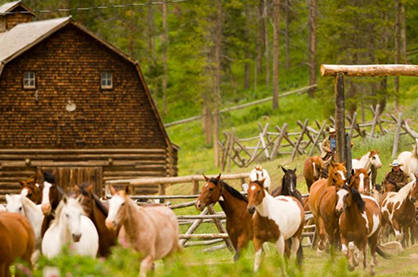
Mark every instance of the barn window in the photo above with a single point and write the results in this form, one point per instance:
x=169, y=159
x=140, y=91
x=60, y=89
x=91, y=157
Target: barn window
x=106, y=80
x=29, y=80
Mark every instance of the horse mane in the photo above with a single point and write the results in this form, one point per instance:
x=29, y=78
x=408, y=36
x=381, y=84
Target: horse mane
x=29, y=202
x=230, y=189
x=49, y=177
x=403, y=192
x=356, y=197
x=61, y=205
x=414, y=151
x=96, y=199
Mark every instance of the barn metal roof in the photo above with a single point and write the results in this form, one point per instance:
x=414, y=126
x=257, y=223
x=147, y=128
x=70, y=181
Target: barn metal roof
x=24, y=35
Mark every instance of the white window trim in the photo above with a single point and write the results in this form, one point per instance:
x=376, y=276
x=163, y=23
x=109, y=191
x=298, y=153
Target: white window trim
x=111, y=81
x=28, y=86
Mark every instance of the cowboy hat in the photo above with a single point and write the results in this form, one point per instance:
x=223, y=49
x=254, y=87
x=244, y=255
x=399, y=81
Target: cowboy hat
x=331, y=130
x=396, y=163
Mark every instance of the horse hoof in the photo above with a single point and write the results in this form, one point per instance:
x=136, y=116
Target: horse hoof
x=351, y=268
x=372, y=273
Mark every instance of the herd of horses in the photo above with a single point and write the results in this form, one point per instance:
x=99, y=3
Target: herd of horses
x=349, y=211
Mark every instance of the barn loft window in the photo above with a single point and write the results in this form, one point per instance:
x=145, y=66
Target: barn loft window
x=29, y=80
x=106, y=80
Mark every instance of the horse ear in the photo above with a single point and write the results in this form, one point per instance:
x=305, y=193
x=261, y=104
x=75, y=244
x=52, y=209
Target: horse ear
x=22, y=183
x=112, y=190
x=370, y=173
x=89, y=187
x=294, y=170
x=206, y=178
x=127, y=190
x=79, y=198
x=218, y=178
x=65, y=199
x=353, y=171
x=284, y=169
x=8, y=198
x=344, y=163
x=76, y=188
x=24, y=193
x=262, y=182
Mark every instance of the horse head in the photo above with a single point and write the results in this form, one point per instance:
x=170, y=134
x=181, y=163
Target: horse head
x=51, y=197
x=118, y=211
x=14, y=203
x=337, y=175
x=211, y=192
x=86, y=198
x=374, y=158
x=346, y=197
x=256, y=193
x=360, y=180
x=33, y=189
x=69, y=213
x=413, y=196
x=289, y=181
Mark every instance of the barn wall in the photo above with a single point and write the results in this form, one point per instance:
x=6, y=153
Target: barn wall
x=68, y=66
x=115, y=164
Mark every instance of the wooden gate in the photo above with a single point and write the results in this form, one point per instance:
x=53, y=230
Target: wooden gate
x=67, y=177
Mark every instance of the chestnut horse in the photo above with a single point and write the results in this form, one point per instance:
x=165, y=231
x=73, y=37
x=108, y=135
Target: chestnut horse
x=312, y=170
x=234, y=204
x=17, y=241
x=361, y=181
x=336, y=178
x=97, y=212
x=398, y=209
x=276, y=220
x=359, y=223
x=152, y=230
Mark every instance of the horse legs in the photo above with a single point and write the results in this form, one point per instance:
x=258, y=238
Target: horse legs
x=397, y=229
x=373, y=244
x=259, y=253
x=146, y=265
x=321, y=234
x=241, y=243
x=280, y=245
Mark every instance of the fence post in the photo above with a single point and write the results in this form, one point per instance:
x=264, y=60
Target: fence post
x=397, y=134
x=340, y=117
x=195, y=187
x=278, y=142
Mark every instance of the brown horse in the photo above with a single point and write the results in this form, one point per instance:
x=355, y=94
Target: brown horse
x=97, y=212
x=277, y=219
x=360, y=180
x=312, y=170
x=398, y=210
x=336, y=178
x=359, y=223
x=34, y=189
x=234, y=204
x=17, y=241
x=152, y=230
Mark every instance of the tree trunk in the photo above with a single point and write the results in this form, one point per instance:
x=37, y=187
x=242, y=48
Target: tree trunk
x=276, y=23
x=260, y=38
x=313, y=7
x=247, y=44
x=403, y=33
x=150, y=21
x=266, y=43
x=217, y=90
x=164, y=42
x=383, y=91
x=287, y=33
x=397, y=48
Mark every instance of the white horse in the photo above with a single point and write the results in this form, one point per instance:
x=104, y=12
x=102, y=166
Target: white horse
x=71, y=226
x=258, y=174
x=409, y=161
x=366, y=161
x=20, y=204
x=2, y=208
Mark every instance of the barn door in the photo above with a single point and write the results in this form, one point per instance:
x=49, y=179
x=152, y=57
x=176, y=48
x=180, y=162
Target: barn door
x=67, y=177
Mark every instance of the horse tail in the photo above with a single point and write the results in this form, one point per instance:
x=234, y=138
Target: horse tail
x=382, y=253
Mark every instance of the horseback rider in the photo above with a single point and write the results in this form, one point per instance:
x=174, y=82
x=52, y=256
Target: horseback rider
x=396, y=176
x=329, y=145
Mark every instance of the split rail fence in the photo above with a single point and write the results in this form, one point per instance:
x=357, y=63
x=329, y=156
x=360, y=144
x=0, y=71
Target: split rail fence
x=191, y=238
x=269, y=144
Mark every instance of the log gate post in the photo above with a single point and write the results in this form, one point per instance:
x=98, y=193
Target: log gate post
x=340, y=118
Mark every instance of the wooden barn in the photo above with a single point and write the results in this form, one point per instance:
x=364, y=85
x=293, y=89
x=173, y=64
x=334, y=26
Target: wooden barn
x=75, y=104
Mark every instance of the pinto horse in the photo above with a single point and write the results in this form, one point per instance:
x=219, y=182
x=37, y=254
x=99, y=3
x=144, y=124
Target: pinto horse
x=336, y=178
x=17, y=241
x=71, y=226
x=409, y=161
x=370, y=159
x=51, y=197
x=152, y=230
x=398, y=209
x=234, y=204
x=34, y=190
x=276, y=219
x=312, y=170
x=288, y=187
x=97, y=212
x=359, y=223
